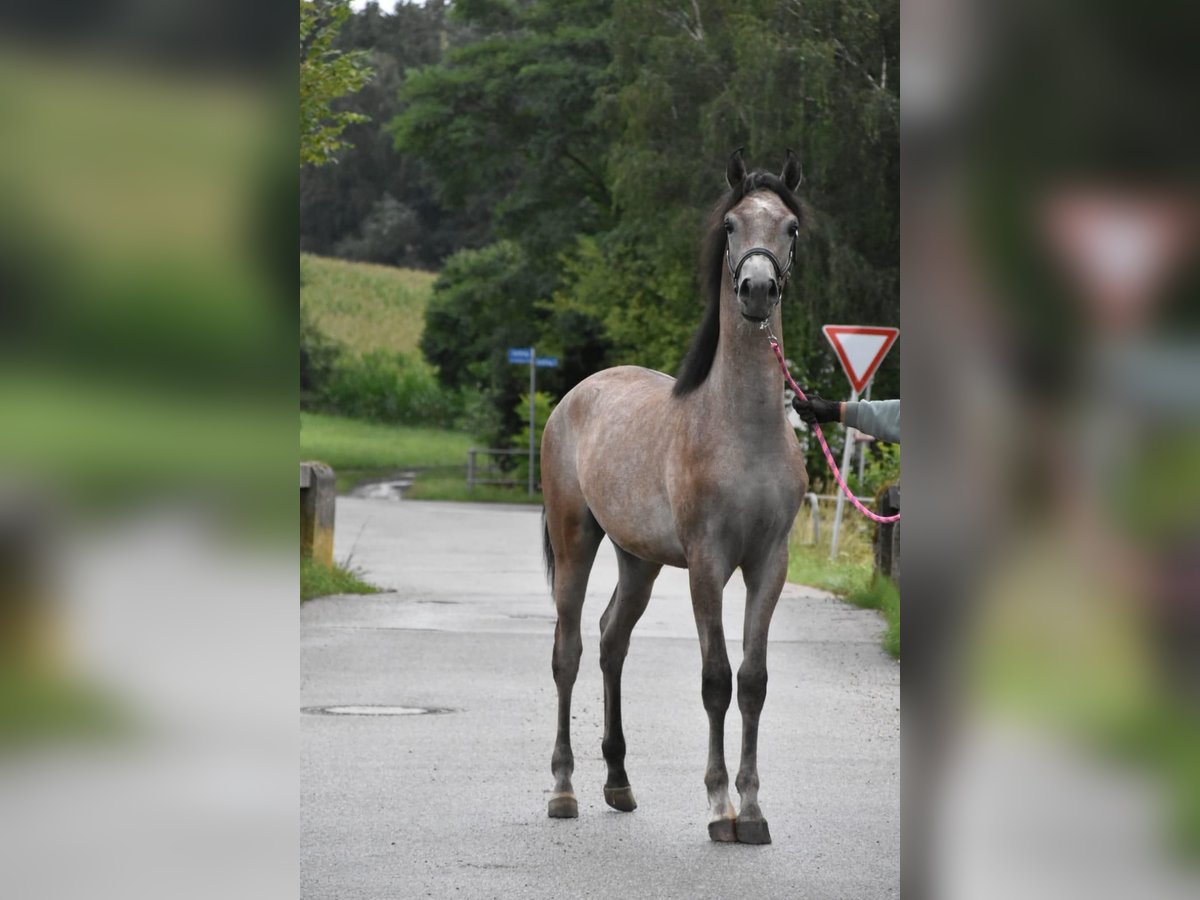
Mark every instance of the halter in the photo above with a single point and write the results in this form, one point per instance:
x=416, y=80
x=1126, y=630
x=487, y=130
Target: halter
x=781, y=272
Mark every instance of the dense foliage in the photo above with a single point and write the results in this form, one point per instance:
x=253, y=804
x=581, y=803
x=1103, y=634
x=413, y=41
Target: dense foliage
x=579, y=144
x=326, y=74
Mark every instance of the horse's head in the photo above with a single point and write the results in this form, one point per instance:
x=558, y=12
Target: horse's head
x=761, y=224
x=748, y=247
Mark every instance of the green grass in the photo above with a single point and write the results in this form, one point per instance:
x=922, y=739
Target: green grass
x=881, y=594
x=317, y=580
x=366, y=306
x=351, y=444
x=852, y=575
x=811, y=565
x=363, y=451
x=447, y=485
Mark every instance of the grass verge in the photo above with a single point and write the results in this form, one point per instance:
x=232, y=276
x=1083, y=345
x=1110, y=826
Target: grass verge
x=881, y=594
x=452, y=485
x=851, y=576
x=351, y=444
x=317, y=580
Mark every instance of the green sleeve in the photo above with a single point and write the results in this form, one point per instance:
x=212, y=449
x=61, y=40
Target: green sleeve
x=879, y=418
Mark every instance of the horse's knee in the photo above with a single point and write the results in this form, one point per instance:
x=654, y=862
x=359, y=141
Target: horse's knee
x=752, y=687
x=716, y=685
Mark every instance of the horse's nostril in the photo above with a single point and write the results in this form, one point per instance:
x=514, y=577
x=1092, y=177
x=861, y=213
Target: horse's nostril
x=744, y=289
x=773, y=289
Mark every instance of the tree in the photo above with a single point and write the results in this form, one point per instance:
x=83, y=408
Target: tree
x=592, y=138
x=507, y=122
x=337, y=203
x=481, y=306
x=326, y=74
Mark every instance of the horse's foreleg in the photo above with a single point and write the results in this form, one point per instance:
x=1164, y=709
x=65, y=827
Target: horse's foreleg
x=716, y=688
x=763, y=586
x=627, y=605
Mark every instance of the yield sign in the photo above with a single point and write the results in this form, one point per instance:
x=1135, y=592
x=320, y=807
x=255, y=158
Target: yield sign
x=861, y=349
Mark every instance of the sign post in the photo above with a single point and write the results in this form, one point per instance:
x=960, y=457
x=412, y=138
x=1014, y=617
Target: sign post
x=521, y=356
x=860, y=349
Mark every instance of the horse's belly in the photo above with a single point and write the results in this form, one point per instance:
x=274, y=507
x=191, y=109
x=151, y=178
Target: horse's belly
x=647, y=530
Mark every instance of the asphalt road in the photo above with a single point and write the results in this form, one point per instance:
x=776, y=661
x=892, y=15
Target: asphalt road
x=454, y=804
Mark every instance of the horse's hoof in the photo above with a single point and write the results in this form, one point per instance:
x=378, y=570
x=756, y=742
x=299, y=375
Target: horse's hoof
x=722, y=831
x=620, y=798
x=753, y=831
x=563, y=806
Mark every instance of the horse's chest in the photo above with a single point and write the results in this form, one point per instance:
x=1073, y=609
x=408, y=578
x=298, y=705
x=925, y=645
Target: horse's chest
x=743, y=495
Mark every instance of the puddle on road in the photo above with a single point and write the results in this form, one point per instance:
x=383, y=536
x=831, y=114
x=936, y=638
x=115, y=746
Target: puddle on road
x=374, y=710
x=394, y=487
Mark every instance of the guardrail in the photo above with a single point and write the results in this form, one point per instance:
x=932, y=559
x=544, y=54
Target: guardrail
x=492, y=472
x=812, y=500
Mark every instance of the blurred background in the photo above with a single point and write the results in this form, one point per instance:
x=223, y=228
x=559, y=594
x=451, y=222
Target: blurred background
x=1052, y=372
x=147, y=397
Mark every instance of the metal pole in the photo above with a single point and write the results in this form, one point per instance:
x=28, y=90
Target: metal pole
x=532, y=411
x=841, y=495
x=862, y=448
x=471, y=470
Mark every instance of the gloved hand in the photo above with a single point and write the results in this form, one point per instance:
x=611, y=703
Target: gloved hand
x=815, y=409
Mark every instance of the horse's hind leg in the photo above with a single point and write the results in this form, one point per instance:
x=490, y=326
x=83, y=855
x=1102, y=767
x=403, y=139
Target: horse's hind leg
x=616, y=625
x=574, y=536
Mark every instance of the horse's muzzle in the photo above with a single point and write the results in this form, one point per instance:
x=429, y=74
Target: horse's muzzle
x=758, y=297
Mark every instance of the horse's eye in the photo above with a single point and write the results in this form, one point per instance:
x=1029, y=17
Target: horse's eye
x=794, y=229
x=728, y=227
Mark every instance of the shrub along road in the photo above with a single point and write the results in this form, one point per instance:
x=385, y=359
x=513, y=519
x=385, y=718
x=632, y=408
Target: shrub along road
x=455, y=804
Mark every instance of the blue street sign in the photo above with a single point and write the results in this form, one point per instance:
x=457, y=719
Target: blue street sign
x=546, y=362
x=519, y=354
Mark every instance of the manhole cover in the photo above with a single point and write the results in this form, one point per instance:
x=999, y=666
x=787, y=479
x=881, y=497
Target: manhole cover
x=369, y=710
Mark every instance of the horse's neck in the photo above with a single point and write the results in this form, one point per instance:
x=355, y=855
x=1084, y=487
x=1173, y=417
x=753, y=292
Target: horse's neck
x=745, y=386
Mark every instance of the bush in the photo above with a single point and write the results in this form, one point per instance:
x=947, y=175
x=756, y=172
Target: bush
x=543, y=405
x=318, y=360
x=391, y=388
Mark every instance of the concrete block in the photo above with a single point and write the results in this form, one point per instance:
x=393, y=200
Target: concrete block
x=318, y=500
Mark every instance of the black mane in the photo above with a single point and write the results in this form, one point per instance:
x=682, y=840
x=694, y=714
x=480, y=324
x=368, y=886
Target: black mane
x=697, y=363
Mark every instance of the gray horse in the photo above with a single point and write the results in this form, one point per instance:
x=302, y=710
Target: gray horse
x=702, y=472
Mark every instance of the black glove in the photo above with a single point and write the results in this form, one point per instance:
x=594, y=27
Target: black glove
x=815, y=409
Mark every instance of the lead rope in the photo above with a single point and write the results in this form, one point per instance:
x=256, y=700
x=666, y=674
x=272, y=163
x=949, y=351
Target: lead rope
x=824, y=446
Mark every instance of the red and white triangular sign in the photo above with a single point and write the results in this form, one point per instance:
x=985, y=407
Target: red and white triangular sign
x=861, y=349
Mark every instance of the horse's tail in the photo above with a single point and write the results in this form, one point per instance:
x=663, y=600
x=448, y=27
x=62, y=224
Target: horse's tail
x=547, y=551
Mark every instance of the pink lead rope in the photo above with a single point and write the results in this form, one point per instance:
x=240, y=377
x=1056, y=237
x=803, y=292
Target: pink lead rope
x=824, y=446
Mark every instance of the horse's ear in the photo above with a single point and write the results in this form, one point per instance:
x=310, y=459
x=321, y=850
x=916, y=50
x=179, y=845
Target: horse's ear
x=735, y=172
x=791, y=175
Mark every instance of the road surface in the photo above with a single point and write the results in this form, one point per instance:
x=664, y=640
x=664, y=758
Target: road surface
x=454, y=804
